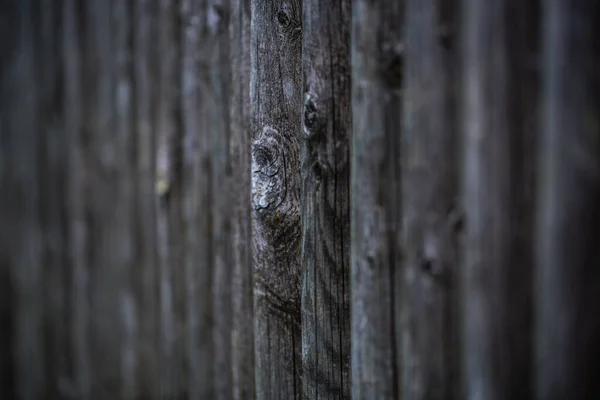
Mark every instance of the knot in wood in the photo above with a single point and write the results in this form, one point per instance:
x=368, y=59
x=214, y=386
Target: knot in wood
x=268, y=172
x=309, y=117
x=288, y=20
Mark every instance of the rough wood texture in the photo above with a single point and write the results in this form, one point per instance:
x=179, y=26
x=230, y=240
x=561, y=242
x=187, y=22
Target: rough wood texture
x=568, y=274
x=275, y=98
x=242, y=281
x=326, y=123
x=429, y=202
x=499, y=105
x=376, y=219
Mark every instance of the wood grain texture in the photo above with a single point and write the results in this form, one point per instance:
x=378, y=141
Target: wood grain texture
x=429, y=202
x=275, y=98
x=326, y=124
x=376, y=218
x=500, y=104
x=567, y=274
x=242, y=280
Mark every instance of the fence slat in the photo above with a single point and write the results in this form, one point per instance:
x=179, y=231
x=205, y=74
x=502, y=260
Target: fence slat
x=275, y=99
x=376, y=219
x=568, y=273
x=326, y=124
x=499, y=101
x=429, y=202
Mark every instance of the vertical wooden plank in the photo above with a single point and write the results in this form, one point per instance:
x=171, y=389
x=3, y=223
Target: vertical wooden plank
x=376, y=257
x=567, y=276
x=123, y=148
x=21, y=230
x=196, y=196
x=496, y=272
x=429, y=201
x=78, y=229
x=167, y=170
x=96, y=136
x=144, y=275
x=326, y=126
x=242, y=280
x=9, y=46
x=222, y=190
x=53, y=167
x=275, y=100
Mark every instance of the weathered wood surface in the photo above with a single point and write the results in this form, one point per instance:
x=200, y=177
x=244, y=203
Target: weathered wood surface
x=429, y=202
x=376, y=218
x=144, y=278
x=242, y=282
x=326, y=125
x=86, y=241
x=223, y=189
x=275, y=98
x=22, y=232
x=168, y=185
x=83, y=327
x=568, y=273
x=499, y=106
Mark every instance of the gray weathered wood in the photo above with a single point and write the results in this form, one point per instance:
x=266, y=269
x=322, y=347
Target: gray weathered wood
x=326, y=125
x=144, y=277
x=78, y=235
x=108, y=187
x=242, y=282
x=498, y=133
x=21, y=227
x=222, y=189
x=429, y=200
x=568, y=273
x=376, y=218
x=168, y=176
x=275, y=98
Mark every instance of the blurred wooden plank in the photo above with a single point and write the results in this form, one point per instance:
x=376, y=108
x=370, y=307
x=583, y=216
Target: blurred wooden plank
x=144, y=275
x=568, y=262
x=430, y=172
x=242, y=281
x=376, y=218
x=21, y=231
x=499, y=104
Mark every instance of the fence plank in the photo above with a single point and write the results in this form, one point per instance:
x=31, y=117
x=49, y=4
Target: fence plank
x=222, y=189
x=568, y=277
x=275, y=100
x=326, y=123
x=168, y=171
x=429, y=202
x=144, y=277
x=499, y=101
x=376, y=256
x=242, y=280
x=22, y=229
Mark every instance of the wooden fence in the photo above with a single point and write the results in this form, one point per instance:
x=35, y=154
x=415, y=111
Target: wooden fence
x=286, y=199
